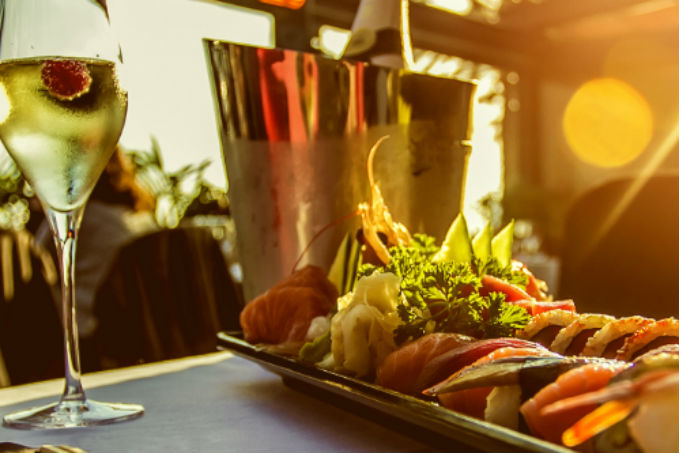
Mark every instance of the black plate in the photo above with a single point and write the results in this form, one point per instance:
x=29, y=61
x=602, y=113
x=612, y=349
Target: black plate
x=423, y=420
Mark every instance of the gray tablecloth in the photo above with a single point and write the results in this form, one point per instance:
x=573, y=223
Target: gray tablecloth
x=233, y=405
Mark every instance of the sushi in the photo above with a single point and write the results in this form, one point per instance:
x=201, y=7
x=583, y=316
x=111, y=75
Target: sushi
x=607, y=340
x=483, y=402
x=544, y=328
x=572, y=339
x=636, y=411
x=650, y=336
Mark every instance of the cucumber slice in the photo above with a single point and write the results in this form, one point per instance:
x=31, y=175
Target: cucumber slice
x=502, y=245
x=457, y=246
x=345, y=265
x=481, y=244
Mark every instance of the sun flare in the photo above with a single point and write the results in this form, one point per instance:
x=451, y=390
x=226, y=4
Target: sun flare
x=607, y=123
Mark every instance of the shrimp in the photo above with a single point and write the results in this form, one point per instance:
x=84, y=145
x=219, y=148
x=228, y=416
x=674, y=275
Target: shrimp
x=376, y=218
x=574, y=382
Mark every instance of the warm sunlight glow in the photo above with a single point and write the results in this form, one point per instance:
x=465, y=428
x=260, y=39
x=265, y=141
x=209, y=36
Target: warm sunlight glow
x=607, y=123
x=486, y=166
x=651, y=168
x=167, y=74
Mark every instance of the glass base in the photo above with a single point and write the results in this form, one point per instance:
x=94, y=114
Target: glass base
x=72, y=414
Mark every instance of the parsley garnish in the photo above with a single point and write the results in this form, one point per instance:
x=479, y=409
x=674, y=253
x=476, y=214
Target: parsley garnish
x=491, y=266
x=444, y=297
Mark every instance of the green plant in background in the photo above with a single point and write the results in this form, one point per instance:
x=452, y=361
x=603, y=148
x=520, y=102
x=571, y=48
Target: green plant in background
x=179, y=193
x=15, y=193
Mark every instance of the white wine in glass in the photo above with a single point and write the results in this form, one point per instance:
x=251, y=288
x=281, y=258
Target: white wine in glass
x=62, y=110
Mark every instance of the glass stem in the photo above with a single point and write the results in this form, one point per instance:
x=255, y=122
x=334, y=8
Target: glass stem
x=65, y=226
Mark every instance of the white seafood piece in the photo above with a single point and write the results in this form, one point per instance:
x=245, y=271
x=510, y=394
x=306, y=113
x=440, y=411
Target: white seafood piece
x=546, y=320
x=655, y=425
x=644, y=337
x=598, y=344
x=567, y=335
x=502, y=406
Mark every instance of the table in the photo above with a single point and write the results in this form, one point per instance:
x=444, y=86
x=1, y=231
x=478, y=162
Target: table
x=212, y=403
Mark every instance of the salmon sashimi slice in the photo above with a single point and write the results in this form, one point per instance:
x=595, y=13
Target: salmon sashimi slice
x=283, y=314
x=402, y=368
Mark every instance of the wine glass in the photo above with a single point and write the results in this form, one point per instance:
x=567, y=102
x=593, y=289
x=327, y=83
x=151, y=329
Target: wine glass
x=62, y=111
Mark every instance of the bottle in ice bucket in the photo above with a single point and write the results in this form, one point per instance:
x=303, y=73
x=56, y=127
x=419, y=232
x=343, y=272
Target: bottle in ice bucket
x=380, y=34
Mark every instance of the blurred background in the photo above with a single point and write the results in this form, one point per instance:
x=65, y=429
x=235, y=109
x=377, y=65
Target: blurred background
x=575, y=129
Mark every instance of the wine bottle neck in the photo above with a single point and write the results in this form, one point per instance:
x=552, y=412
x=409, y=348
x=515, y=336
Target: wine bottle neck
x=366, y=43
x=380, y=33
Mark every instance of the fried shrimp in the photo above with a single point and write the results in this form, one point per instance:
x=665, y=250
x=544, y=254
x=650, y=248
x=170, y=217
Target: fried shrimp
x=376, y=218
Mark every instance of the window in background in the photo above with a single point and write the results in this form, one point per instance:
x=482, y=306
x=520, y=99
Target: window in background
x=166, y=74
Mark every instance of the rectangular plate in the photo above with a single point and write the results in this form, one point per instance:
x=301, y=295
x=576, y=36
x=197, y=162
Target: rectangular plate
x=423, y=420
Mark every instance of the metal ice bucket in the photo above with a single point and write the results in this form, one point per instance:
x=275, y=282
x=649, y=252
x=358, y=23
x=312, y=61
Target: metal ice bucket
x=296, y=129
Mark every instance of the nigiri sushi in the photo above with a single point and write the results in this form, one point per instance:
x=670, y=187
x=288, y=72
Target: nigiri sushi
x=532, y=373
x=474, y=401
x=658, y=333
x=606, y=341
x=543, y=328
x=514, y=378
x=572, y=339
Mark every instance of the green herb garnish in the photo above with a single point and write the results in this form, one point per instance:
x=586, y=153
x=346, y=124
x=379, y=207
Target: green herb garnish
x=443, y=296
x=314, y=351
x=493, y=267
x=503, y=318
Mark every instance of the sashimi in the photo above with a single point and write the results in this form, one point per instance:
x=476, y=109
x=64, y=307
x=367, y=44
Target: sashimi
x=402, y=368
x=283, y=314
x=574, y=382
